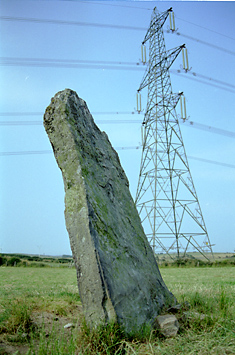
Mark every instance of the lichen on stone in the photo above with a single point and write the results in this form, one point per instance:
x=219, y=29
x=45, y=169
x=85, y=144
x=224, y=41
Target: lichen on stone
x=118, y=277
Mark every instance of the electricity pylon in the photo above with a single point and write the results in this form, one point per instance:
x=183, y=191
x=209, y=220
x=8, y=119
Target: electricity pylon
x=166, y=198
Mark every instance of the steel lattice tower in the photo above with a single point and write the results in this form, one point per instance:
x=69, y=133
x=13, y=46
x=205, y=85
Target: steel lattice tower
x=166, y=198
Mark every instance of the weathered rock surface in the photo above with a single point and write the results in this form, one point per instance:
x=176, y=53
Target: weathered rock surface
x=168, y=325
x=118, y=277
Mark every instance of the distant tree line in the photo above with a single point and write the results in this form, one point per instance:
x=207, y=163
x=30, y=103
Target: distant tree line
x=36, y=261
x=67, y=261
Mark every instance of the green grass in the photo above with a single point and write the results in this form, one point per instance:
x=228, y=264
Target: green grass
x=36, y=303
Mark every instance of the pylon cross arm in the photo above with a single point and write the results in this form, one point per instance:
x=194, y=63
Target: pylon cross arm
x=156, y=24
x=159, y=67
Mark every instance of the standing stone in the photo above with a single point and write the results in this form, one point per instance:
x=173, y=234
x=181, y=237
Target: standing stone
x=118, y=277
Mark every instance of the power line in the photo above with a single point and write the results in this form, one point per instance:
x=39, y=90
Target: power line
x=144, y=8
x=49, y=61
x=90, y=24
x=206, y=43
x=103, y=4
x=36, y=152
x=63, y=61
x=205, y=28
x=53, y=61
x=212, y=162
x=21, y=113
x=42, y=113
x=116, y=113
x=39, y=123
x=71, y=23
x=29, y=152
x=176, y=72
x=210, y=129
x=39, y=152
x=192, y=124
x=69, y=65
x=92, y=64
x=173, y=71
x=21, y=123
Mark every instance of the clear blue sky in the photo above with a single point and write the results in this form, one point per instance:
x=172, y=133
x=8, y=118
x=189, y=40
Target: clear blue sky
x=32, y=193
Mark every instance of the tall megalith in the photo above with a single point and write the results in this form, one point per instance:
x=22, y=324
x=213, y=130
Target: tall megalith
x=118, y=277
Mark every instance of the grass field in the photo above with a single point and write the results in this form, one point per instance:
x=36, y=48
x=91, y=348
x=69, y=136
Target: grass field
x=36, y=304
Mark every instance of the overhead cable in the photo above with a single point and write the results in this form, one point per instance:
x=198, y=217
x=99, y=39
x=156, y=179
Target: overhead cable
x=89, y=24
x=39, y=152
x=42, y=113
x=71, y=23
x=212, y=162
x=39, y=123
x=63, y=61
x=21, y=113
x=206, y=28
x=31, y=61
x=148, y=9
x=197, y=75
x=28, y=152
x=92, y=64
x=206, y=43
x=192, y=124
x=210, y=129
x=72, y=65
x=111, y=4
x=203, y=82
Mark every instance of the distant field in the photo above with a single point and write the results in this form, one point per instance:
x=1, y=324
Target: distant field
x=36, y=304
x=164, y=260
x=198, y=256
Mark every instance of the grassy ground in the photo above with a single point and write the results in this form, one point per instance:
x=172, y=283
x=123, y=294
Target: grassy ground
x=36, y=304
